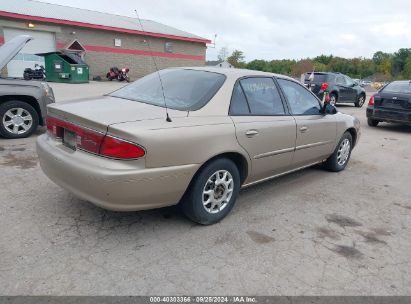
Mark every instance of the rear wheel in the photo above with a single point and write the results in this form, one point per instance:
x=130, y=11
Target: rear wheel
x=372, y=122
x=212, y=193
x=17, y=119
x=360, y=101
x=339, y=159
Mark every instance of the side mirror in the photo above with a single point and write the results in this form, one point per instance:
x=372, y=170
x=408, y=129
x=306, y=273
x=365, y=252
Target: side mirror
x=329, y=109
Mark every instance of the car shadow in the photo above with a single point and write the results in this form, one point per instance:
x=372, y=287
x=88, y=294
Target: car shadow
x=393, y=127
x=85, y=213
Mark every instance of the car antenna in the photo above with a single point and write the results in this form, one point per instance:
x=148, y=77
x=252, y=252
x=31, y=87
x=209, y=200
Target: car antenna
x=168, y=119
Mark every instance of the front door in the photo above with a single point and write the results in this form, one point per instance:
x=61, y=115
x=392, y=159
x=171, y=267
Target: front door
x=263, y=127
x=316, y=132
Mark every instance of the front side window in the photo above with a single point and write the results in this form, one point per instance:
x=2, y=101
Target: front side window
x=186, y=90
x=301, y=101
x=340, y=80
x=262, y=96
x=349, y=81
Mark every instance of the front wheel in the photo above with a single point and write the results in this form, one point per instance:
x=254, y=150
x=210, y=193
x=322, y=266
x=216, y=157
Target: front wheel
x=339, y=159
x=212, y=193
x=360, y=101
x=17, y=119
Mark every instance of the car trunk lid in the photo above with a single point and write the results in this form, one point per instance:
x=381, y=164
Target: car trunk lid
x=393, y=101
x=99, y=113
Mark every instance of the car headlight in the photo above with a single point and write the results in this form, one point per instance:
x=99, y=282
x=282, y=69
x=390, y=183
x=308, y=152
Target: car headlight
x=48, y=91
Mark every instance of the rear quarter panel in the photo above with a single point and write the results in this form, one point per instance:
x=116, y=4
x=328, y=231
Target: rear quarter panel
x=188, y=140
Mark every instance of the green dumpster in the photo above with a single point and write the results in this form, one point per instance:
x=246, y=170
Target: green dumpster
x=65, y=67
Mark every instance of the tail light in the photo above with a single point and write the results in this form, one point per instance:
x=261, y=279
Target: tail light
x=95, y=142
x=118, y=148
x=371, y=101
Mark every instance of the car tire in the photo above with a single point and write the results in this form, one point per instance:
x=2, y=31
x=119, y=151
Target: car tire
x=360, y=101
x=372, y=122
x=27, y=76
x=18, y=119
x=341, y=155
x=205, y=197
x=333, y=99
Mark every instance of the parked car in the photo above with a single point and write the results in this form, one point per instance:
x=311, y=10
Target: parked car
x=391, y=104
x=223, y=129
x=22, y=103
x=341, y=88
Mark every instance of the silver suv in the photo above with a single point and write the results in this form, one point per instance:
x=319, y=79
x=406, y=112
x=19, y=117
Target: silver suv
x=22, y=103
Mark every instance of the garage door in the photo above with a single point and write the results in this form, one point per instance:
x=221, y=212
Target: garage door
x=42, y=42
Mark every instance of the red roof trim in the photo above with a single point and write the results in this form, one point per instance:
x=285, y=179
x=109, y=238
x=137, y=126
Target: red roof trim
x=103, y=49
x=100, y=27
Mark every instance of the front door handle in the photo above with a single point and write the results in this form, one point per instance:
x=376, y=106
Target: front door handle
x=303, y=129
x=251, y=133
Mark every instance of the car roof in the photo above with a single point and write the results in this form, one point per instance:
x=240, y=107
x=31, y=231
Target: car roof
x=238, y=73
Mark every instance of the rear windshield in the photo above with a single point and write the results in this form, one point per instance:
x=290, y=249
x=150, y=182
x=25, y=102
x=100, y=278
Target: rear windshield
x=186, y=90
x=317, y=77
x=399, y=87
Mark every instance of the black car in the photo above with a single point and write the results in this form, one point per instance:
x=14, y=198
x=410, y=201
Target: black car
x=341, y=87
x=391, y=104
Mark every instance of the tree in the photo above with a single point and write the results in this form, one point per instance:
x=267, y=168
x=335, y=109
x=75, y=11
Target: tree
x=324, y=59
x=302, y=66
x=222, y=54
x=398, y=61
x=379, y=57
x=237, y=59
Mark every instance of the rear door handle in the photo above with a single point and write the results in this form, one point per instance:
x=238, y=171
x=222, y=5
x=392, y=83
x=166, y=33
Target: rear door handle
x=251, y=133
x=303, y=129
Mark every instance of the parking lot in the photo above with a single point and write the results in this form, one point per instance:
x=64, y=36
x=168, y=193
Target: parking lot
x=309, y=233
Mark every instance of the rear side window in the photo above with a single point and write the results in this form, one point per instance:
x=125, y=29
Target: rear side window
x=239, y=105
x=301, y=101
x=262, y=96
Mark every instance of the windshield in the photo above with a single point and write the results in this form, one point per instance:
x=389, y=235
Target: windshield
x=186, y=90
x=399, y=87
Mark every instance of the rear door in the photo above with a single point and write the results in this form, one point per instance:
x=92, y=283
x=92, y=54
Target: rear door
x=316, y=133
x=264, y=127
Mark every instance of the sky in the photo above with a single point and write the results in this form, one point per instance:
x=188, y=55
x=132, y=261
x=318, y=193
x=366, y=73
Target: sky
x=267, y=29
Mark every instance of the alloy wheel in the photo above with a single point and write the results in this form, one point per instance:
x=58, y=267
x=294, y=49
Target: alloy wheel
x=361, y=100
x=343, y=152
x=17, y=121
x=218, y=191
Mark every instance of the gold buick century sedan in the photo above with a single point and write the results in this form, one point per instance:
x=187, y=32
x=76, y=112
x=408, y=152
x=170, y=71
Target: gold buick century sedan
x=191, y=136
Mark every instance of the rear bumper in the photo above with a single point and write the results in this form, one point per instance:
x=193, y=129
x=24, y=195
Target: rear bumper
x=113, y=184
x=389, y=115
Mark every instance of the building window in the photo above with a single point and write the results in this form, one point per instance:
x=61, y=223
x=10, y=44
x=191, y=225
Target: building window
x=117, y=42
x=168, y=47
